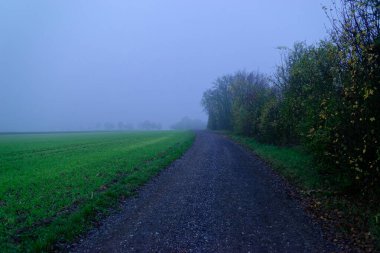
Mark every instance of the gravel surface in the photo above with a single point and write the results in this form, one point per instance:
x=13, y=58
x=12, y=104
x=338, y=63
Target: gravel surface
x=217, y=198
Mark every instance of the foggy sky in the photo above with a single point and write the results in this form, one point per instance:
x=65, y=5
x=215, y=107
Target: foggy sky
x=70, y=64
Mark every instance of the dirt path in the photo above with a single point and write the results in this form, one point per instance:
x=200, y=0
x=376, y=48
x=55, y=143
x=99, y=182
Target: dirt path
x=216, y=198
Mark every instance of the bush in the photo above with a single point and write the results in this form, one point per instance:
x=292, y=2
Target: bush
x=270, y=127
x=326, y=97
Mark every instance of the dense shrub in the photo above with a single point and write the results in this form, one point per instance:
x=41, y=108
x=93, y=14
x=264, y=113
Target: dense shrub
x=270, y=126
x=355, y=148
x=217, y=102
x=249, y=94
x=235, y=102
x=325, y=97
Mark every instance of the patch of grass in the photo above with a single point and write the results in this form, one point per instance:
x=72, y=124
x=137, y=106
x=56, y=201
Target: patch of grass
x=54, y=186
x=293, y=162
x=348, y=216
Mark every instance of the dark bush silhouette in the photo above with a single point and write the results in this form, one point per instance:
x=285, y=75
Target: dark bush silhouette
x=187, y=123
x=324, y=96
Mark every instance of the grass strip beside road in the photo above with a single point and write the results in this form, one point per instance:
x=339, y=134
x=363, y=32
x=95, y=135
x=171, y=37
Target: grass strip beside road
x=344, y=218
x=292, y=162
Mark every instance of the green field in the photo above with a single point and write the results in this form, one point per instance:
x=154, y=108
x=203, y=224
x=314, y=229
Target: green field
x=54, y=186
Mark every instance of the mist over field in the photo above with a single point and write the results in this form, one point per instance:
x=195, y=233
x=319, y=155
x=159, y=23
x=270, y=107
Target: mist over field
x=95, y=65
x=182, y=125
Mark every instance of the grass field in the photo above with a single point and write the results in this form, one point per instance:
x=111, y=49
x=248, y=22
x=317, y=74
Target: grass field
x=54, y=186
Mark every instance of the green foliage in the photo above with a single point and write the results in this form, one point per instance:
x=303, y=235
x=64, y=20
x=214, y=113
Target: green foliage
x=311, y=81
x=249, y=94
x=354, y=147
x=217, y=103
x=270, y=126
x=53, y=185
x=235, y=102
x=325, y=97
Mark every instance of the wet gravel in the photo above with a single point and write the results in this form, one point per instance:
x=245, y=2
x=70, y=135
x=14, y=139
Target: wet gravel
x=217, y=198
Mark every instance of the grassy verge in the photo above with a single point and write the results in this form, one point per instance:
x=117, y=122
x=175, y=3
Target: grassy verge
x=291, y=162
x=55, y=186
x=343, y=217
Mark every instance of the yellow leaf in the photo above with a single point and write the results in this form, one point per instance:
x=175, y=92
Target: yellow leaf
x=367, y=93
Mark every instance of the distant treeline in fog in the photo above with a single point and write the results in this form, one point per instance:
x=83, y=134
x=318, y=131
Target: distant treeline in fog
x=121, y=126
x=324, y=96
x=187, y=123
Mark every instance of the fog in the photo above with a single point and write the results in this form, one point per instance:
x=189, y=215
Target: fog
x=77, y=65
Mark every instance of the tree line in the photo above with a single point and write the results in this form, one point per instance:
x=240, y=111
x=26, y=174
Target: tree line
x=324, y=97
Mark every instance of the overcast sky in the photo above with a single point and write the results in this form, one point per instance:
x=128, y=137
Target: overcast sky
x=70, y=64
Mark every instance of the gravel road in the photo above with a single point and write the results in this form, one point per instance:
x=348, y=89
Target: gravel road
x=216, y=198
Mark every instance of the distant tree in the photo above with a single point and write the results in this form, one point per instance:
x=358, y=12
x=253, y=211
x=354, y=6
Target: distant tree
x=217, y=103
x=128, y=126
x=249, y=93
x=186, y=123
x=98, y=126
x=149, y=126
x=120, y=125
x=109, y=126
x=235, y=101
